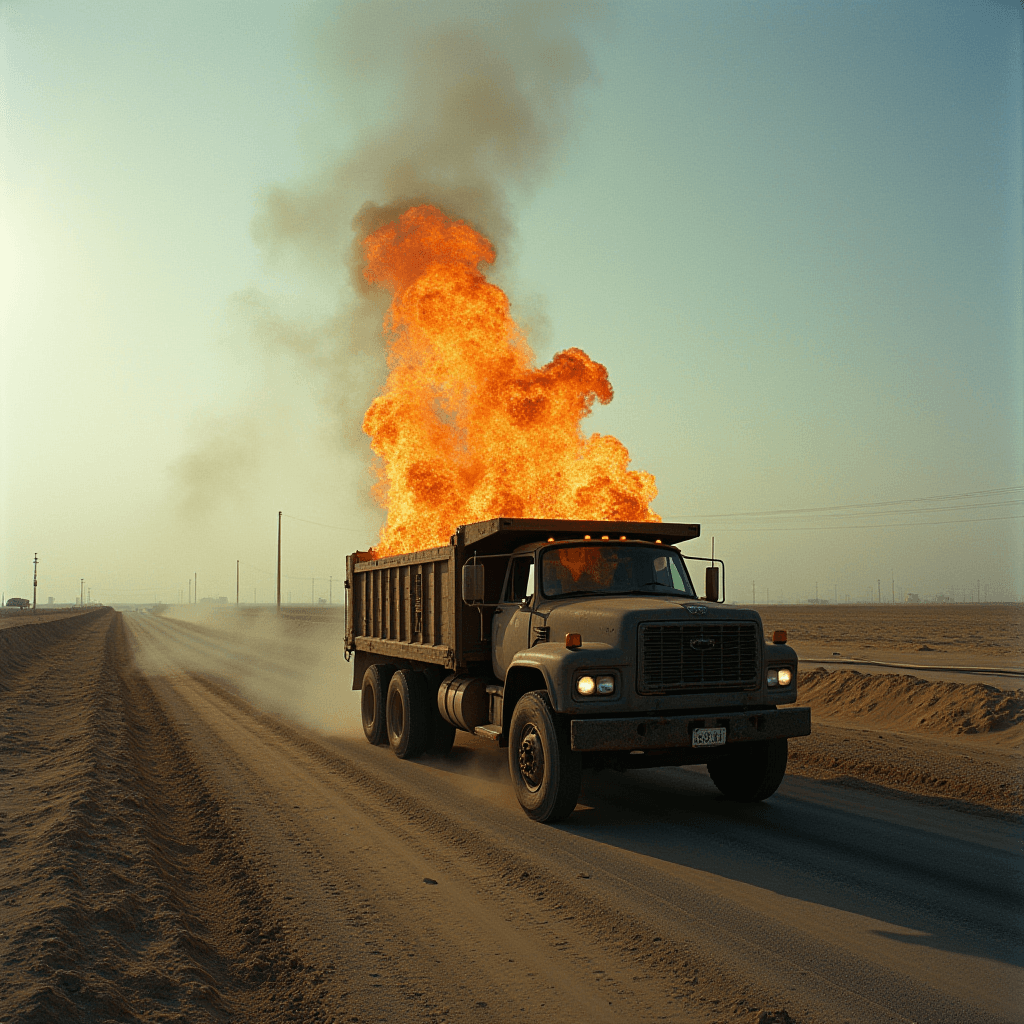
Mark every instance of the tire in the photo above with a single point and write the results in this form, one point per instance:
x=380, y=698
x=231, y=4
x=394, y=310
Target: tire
x=750, y=772
x=409, y=723
x=371, y=703
x=545, y=771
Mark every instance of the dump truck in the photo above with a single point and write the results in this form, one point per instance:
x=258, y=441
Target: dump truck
x=578, y=645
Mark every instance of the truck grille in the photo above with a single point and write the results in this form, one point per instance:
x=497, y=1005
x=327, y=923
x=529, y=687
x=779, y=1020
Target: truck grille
x=698, y=656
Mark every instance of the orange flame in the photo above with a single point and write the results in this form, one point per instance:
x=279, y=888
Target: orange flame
x=467, y=428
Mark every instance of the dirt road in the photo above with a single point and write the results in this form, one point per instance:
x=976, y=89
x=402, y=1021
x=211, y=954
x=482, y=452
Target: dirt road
x=176, y=848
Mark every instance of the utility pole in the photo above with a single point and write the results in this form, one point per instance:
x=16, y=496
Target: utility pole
x=894, y=589
x=278, y=563
x=236, y=582
x=879, y=591
x=81, y=600
x=35, y=565
x=815, y=593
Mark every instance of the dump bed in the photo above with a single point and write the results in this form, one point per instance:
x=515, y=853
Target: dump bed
x=409, y=607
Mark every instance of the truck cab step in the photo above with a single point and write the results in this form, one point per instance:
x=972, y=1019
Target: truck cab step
x=489, y=732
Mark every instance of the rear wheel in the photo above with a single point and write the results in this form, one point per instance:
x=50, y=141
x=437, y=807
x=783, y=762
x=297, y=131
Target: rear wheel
x=545, y=770
x=751, y=771
x=371, y=702
x=409, y=722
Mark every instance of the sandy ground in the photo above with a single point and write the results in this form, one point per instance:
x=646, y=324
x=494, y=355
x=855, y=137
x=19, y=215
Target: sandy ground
x=21, y=617
x=192, y=828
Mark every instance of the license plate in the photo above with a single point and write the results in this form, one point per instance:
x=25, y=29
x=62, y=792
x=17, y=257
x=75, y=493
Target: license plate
x=709, y=737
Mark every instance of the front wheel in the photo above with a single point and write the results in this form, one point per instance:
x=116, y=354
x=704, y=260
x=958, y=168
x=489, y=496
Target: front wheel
x=545, y=770
x=751, y=771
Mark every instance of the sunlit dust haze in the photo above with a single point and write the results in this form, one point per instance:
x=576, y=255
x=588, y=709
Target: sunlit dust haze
x=467, y=427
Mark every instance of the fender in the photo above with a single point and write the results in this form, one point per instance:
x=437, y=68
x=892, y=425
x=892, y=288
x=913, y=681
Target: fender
x=555, y=664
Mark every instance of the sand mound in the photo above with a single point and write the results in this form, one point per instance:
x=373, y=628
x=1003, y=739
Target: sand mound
x=906, y=703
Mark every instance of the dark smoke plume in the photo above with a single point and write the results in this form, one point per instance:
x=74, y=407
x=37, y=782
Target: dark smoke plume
x=459, y=105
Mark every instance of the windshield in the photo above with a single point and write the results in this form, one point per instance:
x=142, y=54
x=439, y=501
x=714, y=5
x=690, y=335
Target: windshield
x=613, y=569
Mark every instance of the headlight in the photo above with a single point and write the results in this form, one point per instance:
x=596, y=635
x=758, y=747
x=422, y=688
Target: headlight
x=587, y=686
x=780, y=676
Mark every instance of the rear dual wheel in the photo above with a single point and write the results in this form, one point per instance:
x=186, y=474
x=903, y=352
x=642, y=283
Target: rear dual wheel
x=414, y=724
x=372, y=699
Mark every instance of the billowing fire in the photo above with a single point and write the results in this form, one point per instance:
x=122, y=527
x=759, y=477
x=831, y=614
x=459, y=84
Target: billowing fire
x=467, y=427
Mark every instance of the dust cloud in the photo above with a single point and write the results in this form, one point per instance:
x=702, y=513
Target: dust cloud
x=462, y=106
x=292, y=664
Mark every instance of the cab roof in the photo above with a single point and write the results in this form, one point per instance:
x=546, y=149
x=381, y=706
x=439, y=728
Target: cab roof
x=499, y=535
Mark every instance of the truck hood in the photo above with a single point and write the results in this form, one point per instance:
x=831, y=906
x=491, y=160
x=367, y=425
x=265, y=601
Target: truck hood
x=613, y=619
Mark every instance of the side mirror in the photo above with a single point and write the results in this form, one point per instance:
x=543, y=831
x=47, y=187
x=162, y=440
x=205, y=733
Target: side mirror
x=710, y=583
x=472, y=583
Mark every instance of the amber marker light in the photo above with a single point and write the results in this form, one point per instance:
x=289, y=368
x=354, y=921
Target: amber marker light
x=657, y=542
x=551, y=540
x=623, y=537
x=605, y=537
x=573, y=640
x=779, y=636
x=586, y=536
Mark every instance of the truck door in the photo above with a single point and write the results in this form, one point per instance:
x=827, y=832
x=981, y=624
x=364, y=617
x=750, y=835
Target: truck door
x=510, y=627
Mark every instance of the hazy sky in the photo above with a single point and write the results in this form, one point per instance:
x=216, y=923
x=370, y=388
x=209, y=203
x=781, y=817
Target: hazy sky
x=792, y=231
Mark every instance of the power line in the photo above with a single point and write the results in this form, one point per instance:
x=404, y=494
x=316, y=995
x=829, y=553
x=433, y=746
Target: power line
x=892, y=511
x=326, y=526
x=284, y=576
x=867, y=526
x=866, y=504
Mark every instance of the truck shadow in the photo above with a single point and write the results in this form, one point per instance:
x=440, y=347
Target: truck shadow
x=951, y=878
x=862, y=853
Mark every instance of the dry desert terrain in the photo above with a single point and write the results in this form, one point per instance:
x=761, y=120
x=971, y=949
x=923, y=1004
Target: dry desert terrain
x=192, y=828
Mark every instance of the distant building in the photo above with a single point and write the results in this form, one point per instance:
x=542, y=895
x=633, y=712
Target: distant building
x=941, y=599
x=213, y=600
x=816, y=600
x=19, y=602
x=49, y=600
x=913, y=599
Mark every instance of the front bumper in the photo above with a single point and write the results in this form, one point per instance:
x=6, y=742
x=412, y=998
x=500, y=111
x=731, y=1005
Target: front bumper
x=674, y=731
